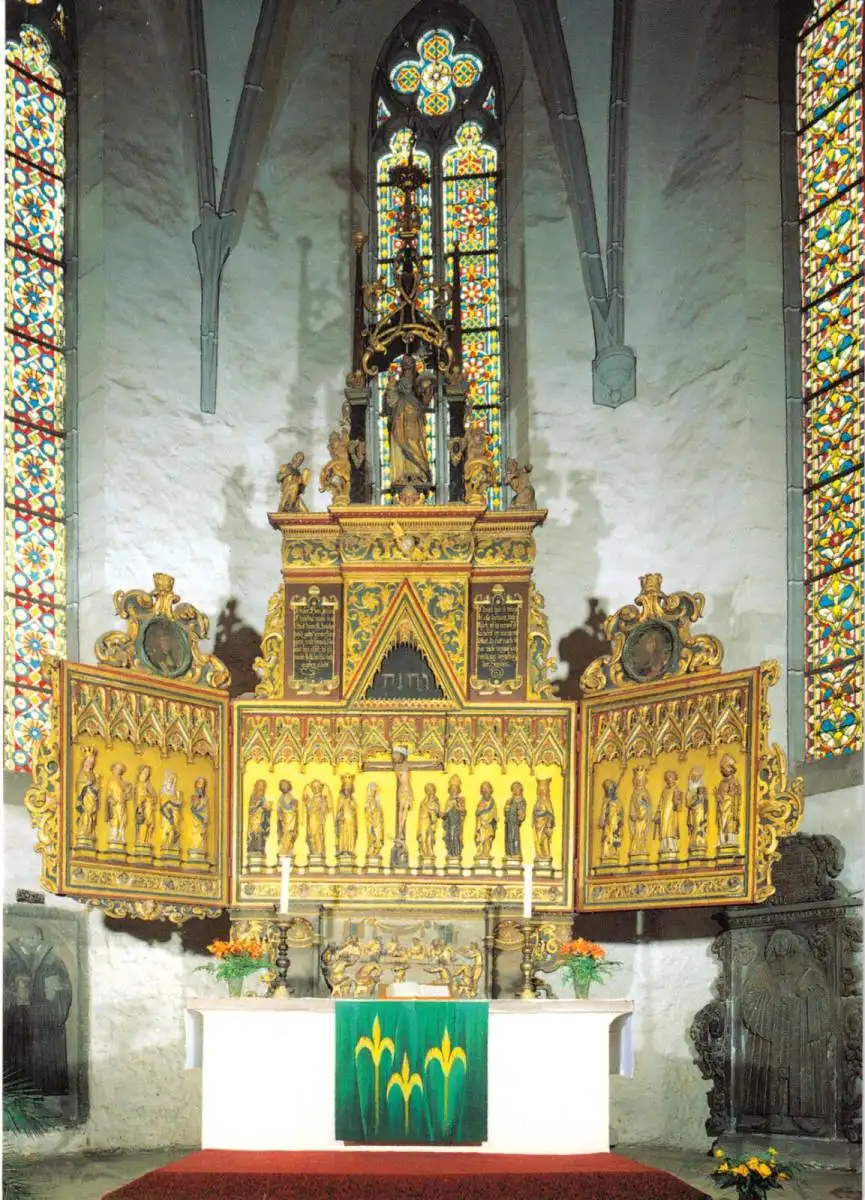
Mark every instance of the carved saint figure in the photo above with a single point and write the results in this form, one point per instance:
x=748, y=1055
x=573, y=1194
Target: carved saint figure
x=335, y=475
x=145, y=808
x=454, y=817
x=697, y=804
x=287, y=818
x=258, y=819
x=515, y=814
x=116, y=795
x=667, y=816
x=788, y=1015
x=728, y=798
x=87, y=798
x=486, y=822
x=517, y=478
x=478, y=470
x=374, y=821
x=345, y=817
x=611, y=823
x=170, y=802
x=428, y=813
x=407, y=400
x=640, y=816
x=316, y=799
x=199, y=806
x=292, y=479
x=543, y=822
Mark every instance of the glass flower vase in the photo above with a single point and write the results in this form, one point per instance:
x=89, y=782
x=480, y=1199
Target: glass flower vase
x=581, y=988
x=235, y=986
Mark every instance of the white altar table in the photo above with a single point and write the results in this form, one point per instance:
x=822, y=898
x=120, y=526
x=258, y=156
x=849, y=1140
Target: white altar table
x=268, y=1070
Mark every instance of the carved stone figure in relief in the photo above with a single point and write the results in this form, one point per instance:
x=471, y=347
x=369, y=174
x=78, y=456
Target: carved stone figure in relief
x=293, y=477
x=697, y=804
x=543, y=822
x=258, y=820
x=611, y=823
x=428, y=814
x=117, y=792
x=145, y=808
x=486, y=822
x=199, y=819
x=407, y=401
x=170, y=804
x=728, y=799
x=639, y=816
x=788, y=1015
x=374, y=821
x=317, y=801
x=87, y=799
x=345, y=817
x=454, y=817
x=517, y=478
x=515, y=814
x=667, y=816
x=287, y=818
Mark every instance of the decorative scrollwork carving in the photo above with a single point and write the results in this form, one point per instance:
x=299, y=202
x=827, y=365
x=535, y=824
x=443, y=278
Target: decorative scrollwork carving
x=541, y=663
x=42, y=798
x=271, y=665
x=161, y=637
x=651, y=639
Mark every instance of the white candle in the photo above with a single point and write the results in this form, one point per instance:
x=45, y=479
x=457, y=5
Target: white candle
x=283, y=891
x=527, y=892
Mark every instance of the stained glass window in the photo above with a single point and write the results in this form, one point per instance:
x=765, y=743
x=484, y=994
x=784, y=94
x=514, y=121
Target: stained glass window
x=35, y=505
x=441, y=99
x=829, y=77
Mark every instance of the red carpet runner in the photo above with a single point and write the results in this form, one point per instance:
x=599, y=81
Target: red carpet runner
x=393, y=1175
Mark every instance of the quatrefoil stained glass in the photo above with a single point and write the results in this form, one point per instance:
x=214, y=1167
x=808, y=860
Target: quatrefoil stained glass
x=436, y=72
x=831, y=235
x=34, y=493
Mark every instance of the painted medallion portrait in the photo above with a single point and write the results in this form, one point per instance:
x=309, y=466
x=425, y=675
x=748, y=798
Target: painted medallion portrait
x=165, y=648
x=649, y=652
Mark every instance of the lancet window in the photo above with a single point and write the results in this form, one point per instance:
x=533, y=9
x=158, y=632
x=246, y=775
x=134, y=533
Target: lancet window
x=436, y=99
x=829, y=118
x=35, y=384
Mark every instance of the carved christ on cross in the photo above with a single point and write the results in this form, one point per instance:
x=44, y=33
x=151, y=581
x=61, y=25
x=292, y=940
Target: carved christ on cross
x=402, y=768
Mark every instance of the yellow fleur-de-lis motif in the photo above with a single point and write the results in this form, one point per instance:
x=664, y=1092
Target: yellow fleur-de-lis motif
x=406, y=1083
x=376, y=1048
x=446, y=1055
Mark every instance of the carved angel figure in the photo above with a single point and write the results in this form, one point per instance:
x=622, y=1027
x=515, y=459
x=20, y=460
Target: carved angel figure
x=292, y=479
x=478, y=470
x=336, y=473
x=517, y=478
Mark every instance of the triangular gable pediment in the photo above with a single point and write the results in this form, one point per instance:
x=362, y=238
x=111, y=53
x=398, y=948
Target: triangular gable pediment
x=407, y=645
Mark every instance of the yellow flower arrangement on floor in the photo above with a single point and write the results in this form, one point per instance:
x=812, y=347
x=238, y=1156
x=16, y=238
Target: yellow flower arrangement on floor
x=235, y=960
x=751, y=1177
x=584, y=963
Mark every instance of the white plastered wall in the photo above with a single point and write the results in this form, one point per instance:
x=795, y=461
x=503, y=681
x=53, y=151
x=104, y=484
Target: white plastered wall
x=688, y=480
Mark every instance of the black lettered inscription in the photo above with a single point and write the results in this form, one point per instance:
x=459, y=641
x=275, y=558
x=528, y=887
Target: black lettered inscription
x=314, y=638
x=497, y=638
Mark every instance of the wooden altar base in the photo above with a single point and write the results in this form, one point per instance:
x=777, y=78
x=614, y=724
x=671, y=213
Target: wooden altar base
x=403, y=1175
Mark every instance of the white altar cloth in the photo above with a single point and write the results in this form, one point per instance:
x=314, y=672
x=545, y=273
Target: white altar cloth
x=268, y=1069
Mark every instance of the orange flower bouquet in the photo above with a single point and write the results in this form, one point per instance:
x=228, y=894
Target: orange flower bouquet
x=235, y=960
x=584, y=963
x=751, y=1177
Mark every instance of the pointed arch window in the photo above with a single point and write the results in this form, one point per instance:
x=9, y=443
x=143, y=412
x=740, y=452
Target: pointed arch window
x=35, y=384
x=437, y=94
x=829, y=148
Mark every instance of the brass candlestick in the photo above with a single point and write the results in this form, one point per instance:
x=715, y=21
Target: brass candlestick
x=279, y=985
x=527, y=966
